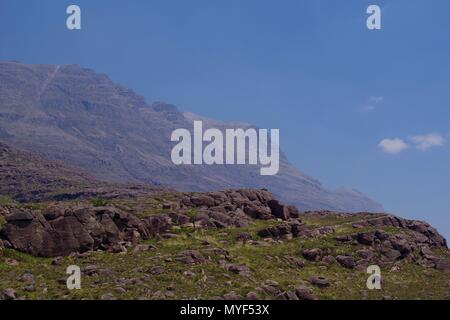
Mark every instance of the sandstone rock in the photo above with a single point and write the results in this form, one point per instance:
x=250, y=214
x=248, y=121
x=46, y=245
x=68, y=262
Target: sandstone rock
x=232, y=296
x=344, y=238
x=401, y=245
x=442, y=265
x=158, y=224
x=202, y=200
x=243, y=236
x=328, y=260
x=271, y=290
x=391, y=254
x=53, y=213
x=8, y=294
x=143, y=248
x=299, y=263
x=238, y=269
x=346, y=261
x=279, y=210
x=365, y=254
x=192, y=257
x=312, y=254
x=366, y=238
x=27, y=278
x=361, y=265
x=90, y=270
x=281, y=296
x=294, y=213
x=120, y=290
x=81, y=230
x=305, y=293
x=319, y=282
x=258, y=212
x=189, y=274
x=360, y=224
x=381, y=235
x=432, y=235
x=57, y=261
x=105, y=272
x=30, y=288
x=156, y=270
x=276, y=232
x=322, y=231
x=108, y=296
x=291, y=295
x=253, y=296
x=272, y=283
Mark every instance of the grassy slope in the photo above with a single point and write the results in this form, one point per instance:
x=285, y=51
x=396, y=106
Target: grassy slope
x=132, y=271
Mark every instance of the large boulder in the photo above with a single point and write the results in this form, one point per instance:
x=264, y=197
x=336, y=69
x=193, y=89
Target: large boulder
x=78, y=230
x=257, y=204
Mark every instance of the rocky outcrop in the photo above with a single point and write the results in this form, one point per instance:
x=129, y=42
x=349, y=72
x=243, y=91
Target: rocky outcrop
x=424, y=233
x=294, y=229
x=59, y=230
x=63, y=228
x=415, y=242
x=257, y=204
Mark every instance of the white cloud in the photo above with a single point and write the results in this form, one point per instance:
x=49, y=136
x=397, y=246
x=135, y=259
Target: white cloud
x=368, y=108
x=393, y=146
x=428, y=141
x=371, y=103
x=376, y=99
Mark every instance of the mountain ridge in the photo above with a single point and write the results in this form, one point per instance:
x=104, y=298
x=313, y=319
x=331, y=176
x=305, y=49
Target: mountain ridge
x=82, y=118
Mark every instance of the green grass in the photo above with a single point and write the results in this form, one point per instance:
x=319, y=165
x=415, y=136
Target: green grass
x=131, y=271
x=99, y=202
x=5, y=200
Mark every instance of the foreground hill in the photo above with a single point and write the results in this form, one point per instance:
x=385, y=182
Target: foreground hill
x=26, y=177
x=83, y=119
x=132, y=241
x=235, y=244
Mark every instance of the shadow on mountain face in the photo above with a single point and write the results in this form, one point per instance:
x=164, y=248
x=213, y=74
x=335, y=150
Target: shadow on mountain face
x=82, y=118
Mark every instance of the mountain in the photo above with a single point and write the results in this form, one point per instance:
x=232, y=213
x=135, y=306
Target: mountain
x=74, y=115
x=26, y=177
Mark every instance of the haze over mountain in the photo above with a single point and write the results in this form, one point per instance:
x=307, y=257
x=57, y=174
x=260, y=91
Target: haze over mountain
x=82, y=118
x=26, y=177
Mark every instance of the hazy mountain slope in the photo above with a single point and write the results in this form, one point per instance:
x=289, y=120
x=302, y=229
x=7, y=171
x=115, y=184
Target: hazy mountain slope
x=28, y=177
x=82, y=118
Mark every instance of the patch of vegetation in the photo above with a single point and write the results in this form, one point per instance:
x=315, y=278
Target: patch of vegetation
x=98, y=202
x=5, y=200
x=193, y=213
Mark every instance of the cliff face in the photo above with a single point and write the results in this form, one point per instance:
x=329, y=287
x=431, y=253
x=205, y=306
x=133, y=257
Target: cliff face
x=85, y=120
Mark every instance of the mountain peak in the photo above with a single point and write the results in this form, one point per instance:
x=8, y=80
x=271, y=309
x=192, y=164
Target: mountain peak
x=72, y=114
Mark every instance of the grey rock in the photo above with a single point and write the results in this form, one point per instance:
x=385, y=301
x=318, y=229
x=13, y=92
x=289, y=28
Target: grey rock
x=305, y=293
x=346, y=261
x=8, y=294
x=319, y=281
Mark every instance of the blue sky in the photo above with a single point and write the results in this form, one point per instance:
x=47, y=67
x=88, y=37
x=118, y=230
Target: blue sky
x=310, y=68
